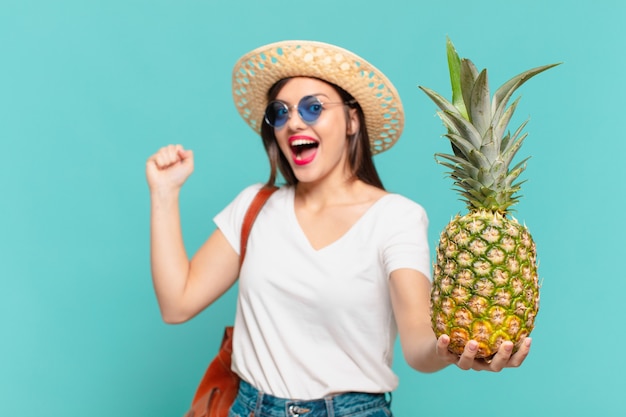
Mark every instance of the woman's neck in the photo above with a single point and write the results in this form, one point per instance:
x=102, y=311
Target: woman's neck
x=346, y=192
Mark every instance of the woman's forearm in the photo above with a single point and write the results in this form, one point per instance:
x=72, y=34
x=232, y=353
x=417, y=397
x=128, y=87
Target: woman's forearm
x=422, y=354
x=169, y=260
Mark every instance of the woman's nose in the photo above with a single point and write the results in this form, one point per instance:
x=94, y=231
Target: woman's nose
x=295, y=122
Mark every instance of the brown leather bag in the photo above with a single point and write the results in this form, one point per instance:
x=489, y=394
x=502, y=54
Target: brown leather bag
x=219, y=385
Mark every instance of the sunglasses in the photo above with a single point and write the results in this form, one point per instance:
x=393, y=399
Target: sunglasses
x=309, y=109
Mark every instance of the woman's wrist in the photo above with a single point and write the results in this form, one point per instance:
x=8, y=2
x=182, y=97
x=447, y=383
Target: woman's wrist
x=164, y=196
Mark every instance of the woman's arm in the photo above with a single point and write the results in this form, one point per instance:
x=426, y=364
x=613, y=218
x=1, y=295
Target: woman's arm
x=410, y=297
x=183, y=287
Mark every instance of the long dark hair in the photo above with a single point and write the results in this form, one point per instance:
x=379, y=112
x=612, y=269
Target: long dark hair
x=359, y=152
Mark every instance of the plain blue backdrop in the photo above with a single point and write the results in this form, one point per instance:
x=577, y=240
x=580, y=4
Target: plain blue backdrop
x=90, y=89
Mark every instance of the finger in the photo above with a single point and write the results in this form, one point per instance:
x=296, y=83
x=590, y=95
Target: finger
x=180, y=150
x=166, y=157
x=172, y=153
x=442, y=345
x=185, y=155
x=157, y=159
x=501, y=358
x=466, y=360
x=442, y=349
x=518, y=357
x=160, y=158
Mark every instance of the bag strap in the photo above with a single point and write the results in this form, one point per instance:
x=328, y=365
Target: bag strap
x=255, y=207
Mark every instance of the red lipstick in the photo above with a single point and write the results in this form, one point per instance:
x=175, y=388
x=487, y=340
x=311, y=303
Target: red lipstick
x=303, y=149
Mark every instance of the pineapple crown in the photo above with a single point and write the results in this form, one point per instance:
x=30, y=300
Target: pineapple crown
x=476, y=125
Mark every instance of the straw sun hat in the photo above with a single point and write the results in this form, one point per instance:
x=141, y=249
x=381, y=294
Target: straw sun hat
x=257, y=71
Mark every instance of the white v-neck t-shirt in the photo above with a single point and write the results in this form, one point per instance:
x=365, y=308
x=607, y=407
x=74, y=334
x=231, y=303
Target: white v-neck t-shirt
x=311, y=323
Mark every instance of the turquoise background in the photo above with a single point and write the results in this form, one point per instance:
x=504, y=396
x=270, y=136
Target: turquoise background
x=90, y=89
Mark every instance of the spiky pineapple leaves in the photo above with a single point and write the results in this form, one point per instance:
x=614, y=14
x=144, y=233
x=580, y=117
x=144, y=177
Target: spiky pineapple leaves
x=476, y=125
x=454, y=65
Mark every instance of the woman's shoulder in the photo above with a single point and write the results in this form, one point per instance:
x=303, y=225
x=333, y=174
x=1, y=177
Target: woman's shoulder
x=398, y=216
x=394, y=202
x=251, y=189
x=245, y=197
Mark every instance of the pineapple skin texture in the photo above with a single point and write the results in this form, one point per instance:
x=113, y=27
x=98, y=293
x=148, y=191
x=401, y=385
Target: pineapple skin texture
x=485, y=282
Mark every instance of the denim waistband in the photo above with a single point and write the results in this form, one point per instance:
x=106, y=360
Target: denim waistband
x=265, y=405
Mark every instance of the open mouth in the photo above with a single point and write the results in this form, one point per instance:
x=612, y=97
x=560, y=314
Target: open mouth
x=303, y=150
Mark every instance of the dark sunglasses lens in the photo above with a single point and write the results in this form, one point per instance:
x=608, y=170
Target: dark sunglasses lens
x=309, y=109
x=276, y=114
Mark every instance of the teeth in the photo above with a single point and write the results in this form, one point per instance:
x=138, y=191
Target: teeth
x=301, y=142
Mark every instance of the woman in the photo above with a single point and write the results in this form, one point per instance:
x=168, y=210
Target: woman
x=336, y=266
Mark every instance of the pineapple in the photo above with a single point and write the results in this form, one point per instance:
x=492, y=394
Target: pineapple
x=485, y=283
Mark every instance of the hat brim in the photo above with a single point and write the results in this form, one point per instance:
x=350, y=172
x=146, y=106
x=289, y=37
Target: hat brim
x=257, y=71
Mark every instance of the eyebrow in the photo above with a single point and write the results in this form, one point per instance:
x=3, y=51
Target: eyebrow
x=306, y=95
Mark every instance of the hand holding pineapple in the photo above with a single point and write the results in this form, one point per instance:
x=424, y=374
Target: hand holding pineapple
x=469, y=358
x=485, y=293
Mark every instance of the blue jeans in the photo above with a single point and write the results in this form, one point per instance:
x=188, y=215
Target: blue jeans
x=252, y=403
